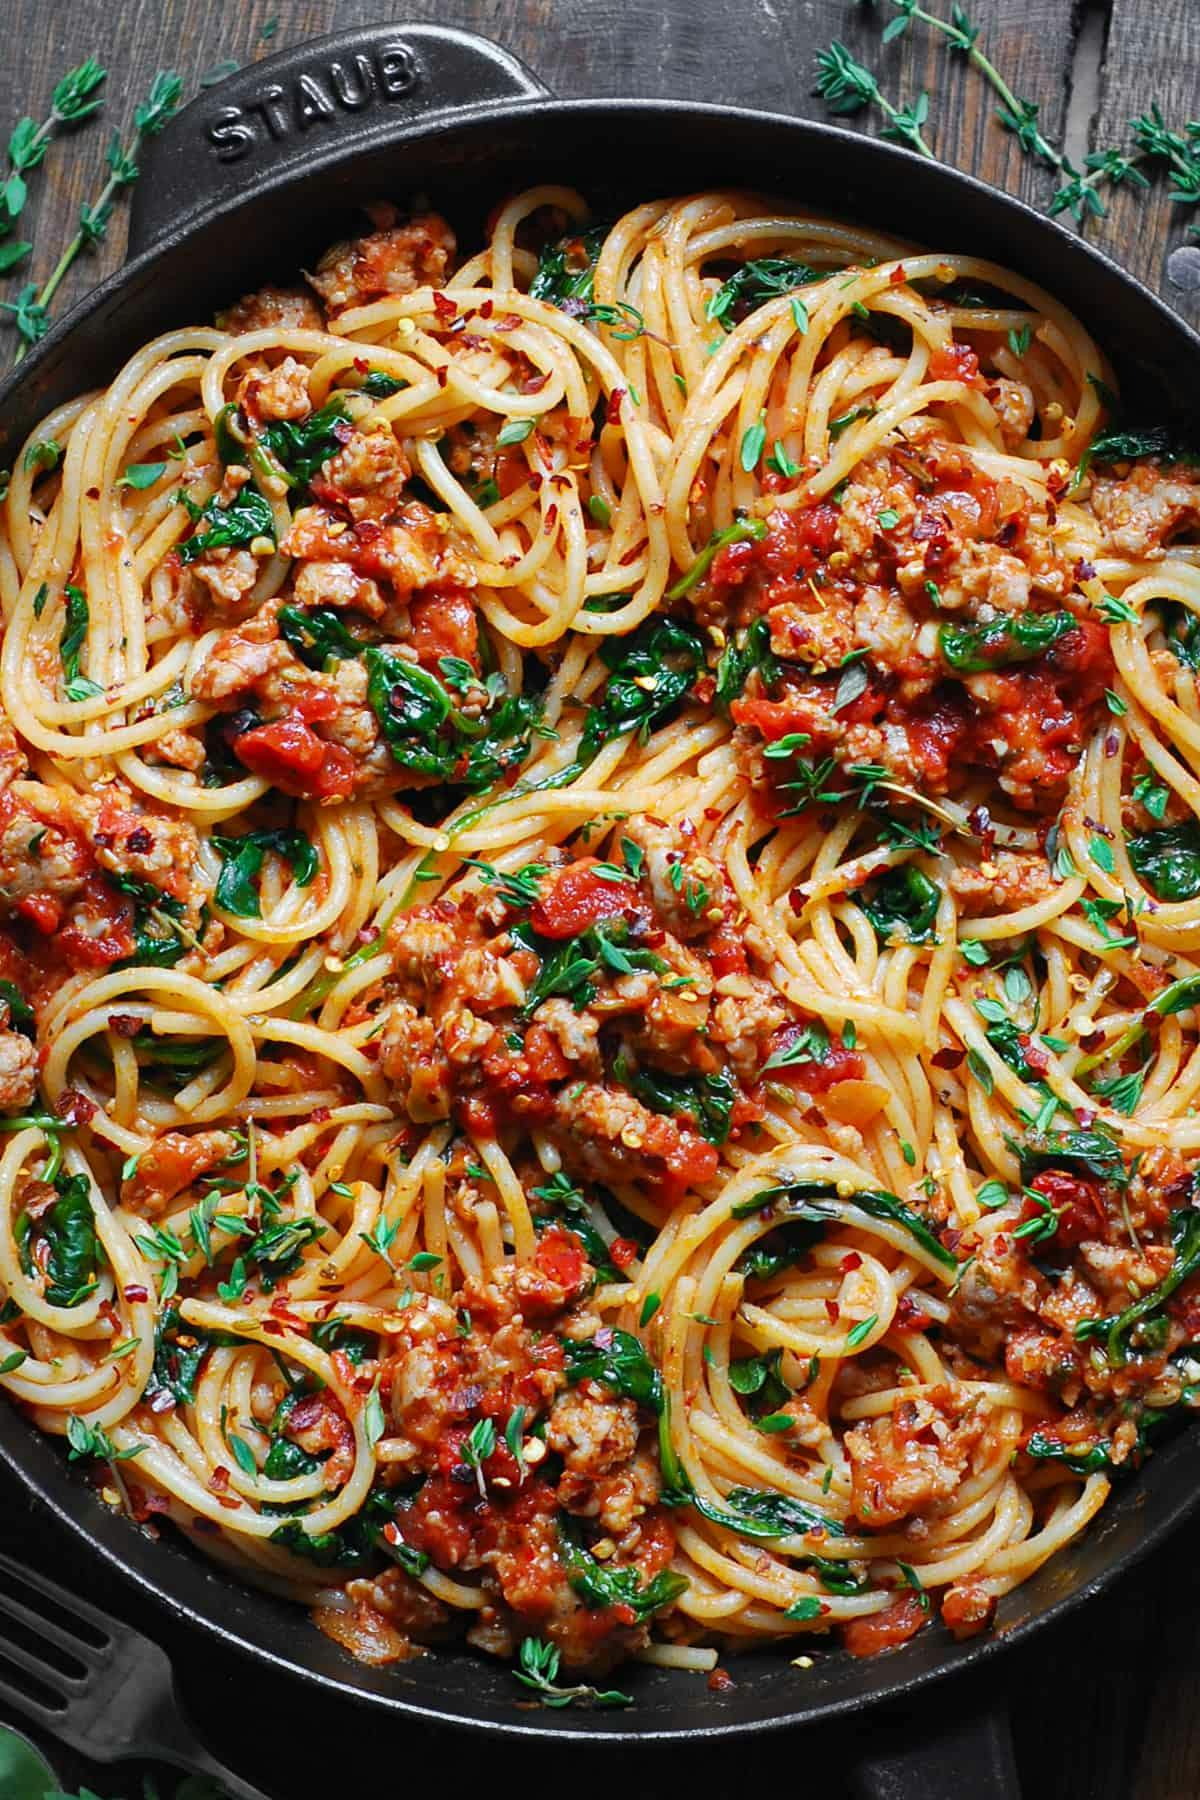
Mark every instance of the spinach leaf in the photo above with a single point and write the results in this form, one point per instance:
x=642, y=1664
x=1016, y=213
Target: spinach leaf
x=429, y=736
x=566, y=268
x=154, y=943
x=740, y=532
x=68, y=1229
x=1005, y=1039
x=708, y=1099
x=781, y=1249
x=1182, y=628
x=599, y=1584
x=178, y=1056
x=1137, y=1327
x=74, y=635
x=285, y=1459
x=754, y=284
x=380, y=385
x=353, y=1544
x=317, y=635
x=248, y=516
x=1168, y=860
x=242, y=860
x=569, y=964
x=20, y=1013
x=1094, y=1152
x=568, y=1205
x=327, y=1549
x=617, y=1360
x=649, y=671
x=1128, y=446
x=738, y=662
x=755, y=1513
x=971, y=648
x=820, y=1203
x=335, y=1334
x=300, y=446
x=179, y=1350
x=757, y=1378
x=902, y=904
x=1097, y=1458
x=879, y=1204
x=277, y=1248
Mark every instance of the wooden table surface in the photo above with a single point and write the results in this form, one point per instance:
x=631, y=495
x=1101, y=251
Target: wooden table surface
x=1106, y=1707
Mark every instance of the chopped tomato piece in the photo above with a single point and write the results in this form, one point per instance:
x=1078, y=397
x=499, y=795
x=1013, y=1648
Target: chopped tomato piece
x=43, y=911
x=884, y=1630
x=101, y=928
x=560, y=1256
x=956, y=362
x=291, y=756
x=1076, y=1200
x=445, y=624
x=578, y=898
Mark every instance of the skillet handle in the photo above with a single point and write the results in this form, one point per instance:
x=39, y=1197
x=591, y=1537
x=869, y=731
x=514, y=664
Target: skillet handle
x=970, y=1757
x=321, y=101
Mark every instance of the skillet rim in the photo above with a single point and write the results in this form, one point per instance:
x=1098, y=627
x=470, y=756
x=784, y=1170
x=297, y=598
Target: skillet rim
x=33, y=1459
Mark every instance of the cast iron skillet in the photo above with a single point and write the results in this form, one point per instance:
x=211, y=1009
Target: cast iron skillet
x=253, y=181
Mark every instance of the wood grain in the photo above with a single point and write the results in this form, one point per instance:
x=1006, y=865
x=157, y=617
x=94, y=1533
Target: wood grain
x=1150, y=57
x=1107, y=1706
x=754, y=52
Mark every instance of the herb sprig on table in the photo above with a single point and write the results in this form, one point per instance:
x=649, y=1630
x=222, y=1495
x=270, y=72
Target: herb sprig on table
x=849, y=87
x=31, y=309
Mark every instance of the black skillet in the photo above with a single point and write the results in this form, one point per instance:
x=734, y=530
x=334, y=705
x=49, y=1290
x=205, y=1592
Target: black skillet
x=250, y=183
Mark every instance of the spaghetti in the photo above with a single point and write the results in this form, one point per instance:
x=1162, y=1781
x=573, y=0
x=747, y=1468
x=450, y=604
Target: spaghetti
x=598, y=852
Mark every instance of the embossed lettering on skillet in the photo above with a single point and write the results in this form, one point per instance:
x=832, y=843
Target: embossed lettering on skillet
x=282, y=110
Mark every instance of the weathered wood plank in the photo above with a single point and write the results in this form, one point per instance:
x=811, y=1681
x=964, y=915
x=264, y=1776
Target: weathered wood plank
x=1152, y=56
x=757, y=53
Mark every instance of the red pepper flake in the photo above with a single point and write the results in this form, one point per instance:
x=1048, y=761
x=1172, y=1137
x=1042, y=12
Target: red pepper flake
x=899, y=275
x=444, y=306
x=622, y=1252
x=947, y=1059
x=486, y=310
x=833, y=1310
x=443, y=375
x=137, y=1293
x=125, y=1025
x=851, y=1261
x=218, y=1481
x=362, y=365
x=74, y=1108
x=509, y=322
x=550, y=520
x=272, y=1328
x=720, y=1681
x=612, y=412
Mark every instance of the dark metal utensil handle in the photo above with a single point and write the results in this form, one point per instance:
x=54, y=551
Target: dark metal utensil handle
x=345, y=91
x=119, y=1700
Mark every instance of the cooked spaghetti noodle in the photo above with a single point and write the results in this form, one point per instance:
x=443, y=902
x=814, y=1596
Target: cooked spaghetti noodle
x=599, y=852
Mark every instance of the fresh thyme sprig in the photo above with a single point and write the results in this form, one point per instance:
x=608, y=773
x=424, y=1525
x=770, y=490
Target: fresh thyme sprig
x=1015, y=113
x=74, y=99
x=847, y=88
x=31, y=309
x=538, y=1665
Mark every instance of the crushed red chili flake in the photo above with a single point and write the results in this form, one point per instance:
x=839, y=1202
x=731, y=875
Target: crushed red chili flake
x=74, y=1108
